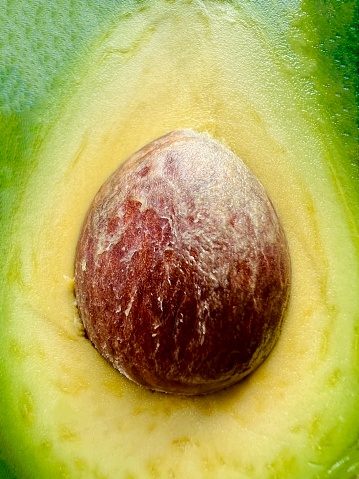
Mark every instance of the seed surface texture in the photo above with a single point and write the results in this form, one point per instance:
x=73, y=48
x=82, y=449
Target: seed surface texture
x=182, y=270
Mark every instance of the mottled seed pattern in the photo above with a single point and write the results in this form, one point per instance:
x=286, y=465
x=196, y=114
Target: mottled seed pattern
x=182, y=269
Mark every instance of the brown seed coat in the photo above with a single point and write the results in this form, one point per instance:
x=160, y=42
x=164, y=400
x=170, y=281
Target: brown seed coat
x=182, y=269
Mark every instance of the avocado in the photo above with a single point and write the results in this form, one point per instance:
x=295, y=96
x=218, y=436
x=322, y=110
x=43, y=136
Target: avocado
x=85, y=84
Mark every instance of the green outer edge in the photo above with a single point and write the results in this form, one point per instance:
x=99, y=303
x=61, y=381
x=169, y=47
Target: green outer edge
x=334, y=46
x=5, y=472
x=23, y=124
x=23, y=127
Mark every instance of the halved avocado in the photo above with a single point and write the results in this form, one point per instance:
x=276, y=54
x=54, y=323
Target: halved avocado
x=85, y=85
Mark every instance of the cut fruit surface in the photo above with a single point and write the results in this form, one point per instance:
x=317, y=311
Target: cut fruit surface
x=264, y=82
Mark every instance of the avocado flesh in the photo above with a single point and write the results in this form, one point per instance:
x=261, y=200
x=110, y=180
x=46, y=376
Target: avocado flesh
x=235, y=72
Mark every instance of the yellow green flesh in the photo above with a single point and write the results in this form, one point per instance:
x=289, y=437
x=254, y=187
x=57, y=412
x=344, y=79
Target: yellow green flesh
x=209, y=67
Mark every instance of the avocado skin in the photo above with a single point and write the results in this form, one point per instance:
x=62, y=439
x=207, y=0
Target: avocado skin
x=24, y=119
x=5, y=472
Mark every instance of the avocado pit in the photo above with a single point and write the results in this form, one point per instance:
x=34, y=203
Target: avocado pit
x=182, y=269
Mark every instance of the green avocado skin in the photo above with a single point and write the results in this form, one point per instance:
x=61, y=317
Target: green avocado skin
x=41, y=43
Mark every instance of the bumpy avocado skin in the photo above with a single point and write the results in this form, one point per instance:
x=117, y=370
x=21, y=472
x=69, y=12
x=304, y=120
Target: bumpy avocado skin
x=42, y=46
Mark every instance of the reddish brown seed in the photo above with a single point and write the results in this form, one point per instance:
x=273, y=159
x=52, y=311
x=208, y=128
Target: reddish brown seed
x=182, y=269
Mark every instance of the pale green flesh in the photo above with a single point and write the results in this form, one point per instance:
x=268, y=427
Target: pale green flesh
x=207, y=67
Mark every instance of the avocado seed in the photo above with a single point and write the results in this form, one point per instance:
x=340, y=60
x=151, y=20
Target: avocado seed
x=182, y=268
